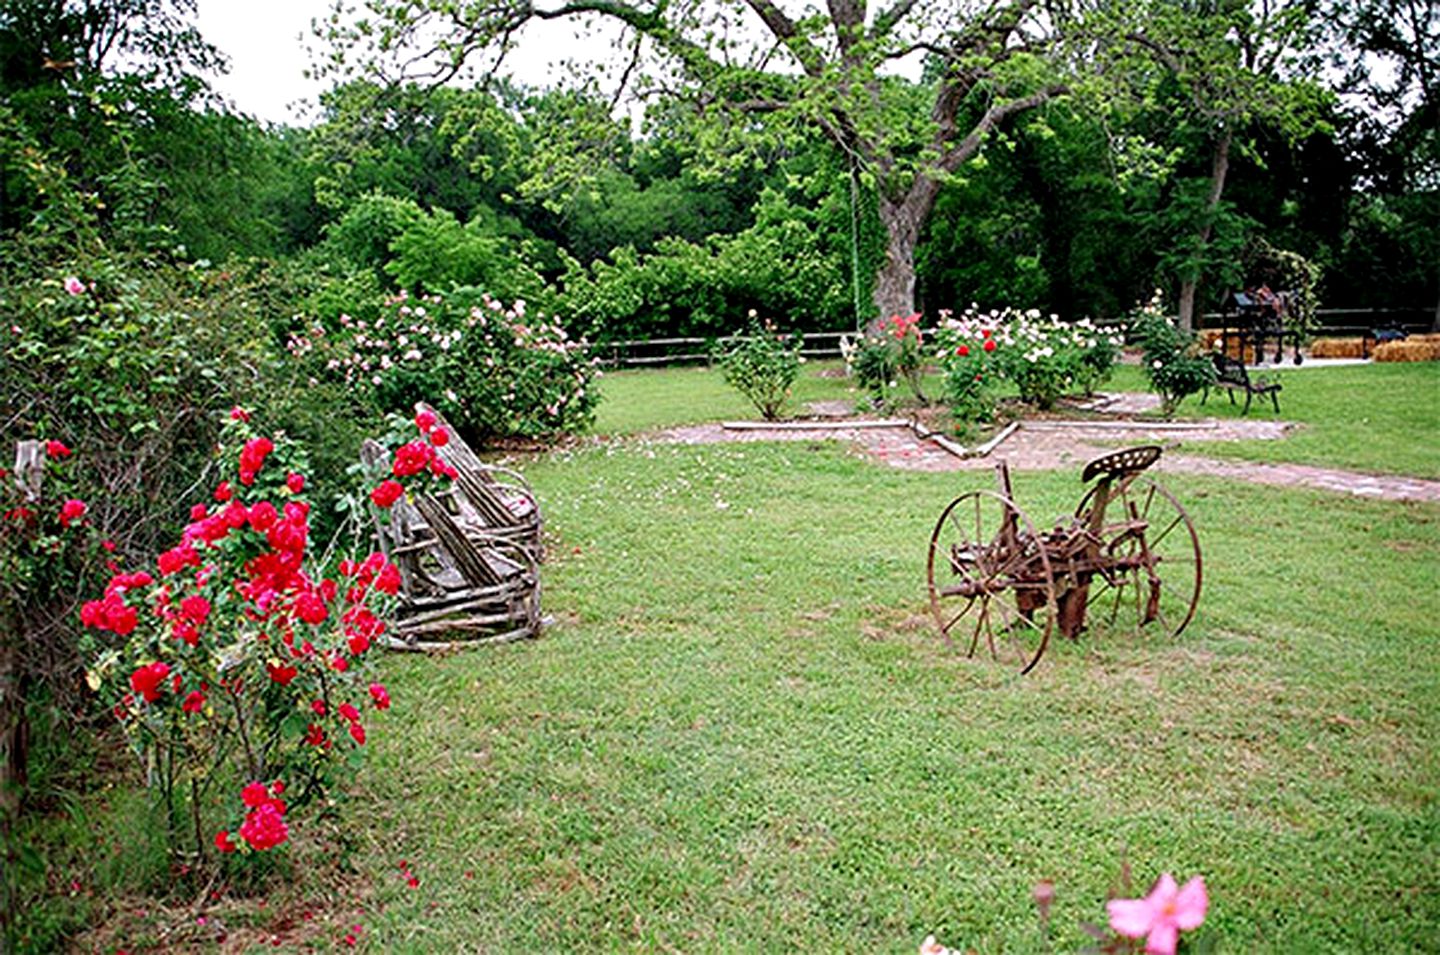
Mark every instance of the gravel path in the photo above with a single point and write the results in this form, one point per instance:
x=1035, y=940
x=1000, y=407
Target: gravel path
x=1048, y=445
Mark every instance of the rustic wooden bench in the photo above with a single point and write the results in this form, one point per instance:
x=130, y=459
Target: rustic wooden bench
x=1233, y=376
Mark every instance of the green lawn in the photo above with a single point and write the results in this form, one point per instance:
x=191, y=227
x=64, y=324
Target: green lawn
x=645, y=399
x=742, y=735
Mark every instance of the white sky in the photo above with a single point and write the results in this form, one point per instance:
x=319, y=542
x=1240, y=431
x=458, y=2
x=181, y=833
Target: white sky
x=263, y=39
x=266, y=39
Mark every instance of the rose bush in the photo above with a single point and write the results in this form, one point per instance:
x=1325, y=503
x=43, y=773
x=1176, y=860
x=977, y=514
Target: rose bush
x=762, y=364
x=491, y=369
x=966, y=352
x=1044, y=357
x=236, y=665
x=1172, y=359
x=890, y=351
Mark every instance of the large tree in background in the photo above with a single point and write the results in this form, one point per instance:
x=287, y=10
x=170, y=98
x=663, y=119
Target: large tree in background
x=1389, y=51
x=1239, y=65
x=747, y=65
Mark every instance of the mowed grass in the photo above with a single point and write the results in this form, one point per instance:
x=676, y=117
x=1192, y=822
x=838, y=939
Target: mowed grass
x=645, y=399
x=741, y=734
x=1381, y=418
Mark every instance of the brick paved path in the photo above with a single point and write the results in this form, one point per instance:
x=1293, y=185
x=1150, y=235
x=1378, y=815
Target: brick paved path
x=1052, y=445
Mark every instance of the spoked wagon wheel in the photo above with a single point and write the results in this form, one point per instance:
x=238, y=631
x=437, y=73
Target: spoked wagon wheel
x=1156, y=564
x=991, y=587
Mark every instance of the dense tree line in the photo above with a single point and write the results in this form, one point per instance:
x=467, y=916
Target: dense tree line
x=1084, y=197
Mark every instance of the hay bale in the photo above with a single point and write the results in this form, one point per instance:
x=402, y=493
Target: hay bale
x=1337, y=348
x=1411, y=349
x=1430, y=337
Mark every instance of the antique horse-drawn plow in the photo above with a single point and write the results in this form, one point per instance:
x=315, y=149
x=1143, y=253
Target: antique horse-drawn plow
x=1000, y=587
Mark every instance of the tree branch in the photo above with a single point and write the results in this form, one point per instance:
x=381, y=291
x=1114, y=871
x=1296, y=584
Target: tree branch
x=961, y=152
x=887, y=21
x=784, y=30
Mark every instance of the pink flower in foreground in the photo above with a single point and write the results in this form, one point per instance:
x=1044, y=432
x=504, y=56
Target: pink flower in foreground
x=1162, y=915
x=74, y=286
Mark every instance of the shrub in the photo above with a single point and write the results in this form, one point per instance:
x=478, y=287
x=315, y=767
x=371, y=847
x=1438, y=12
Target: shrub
x=1047, y=358
x=966, y=352
x=1044, y=357
x=491, y=369
x=1174, y=363
x=890, y=351
x=238, y=667
x=762, y=365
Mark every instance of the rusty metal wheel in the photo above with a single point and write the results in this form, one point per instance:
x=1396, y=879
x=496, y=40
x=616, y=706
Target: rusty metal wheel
x=992, y=589
x=1155, y=552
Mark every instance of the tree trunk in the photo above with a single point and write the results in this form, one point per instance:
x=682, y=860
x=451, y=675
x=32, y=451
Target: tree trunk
x=895, y=279
x=1189, y=283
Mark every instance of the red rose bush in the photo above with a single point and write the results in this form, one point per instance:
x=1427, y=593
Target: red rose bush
x=238, y=667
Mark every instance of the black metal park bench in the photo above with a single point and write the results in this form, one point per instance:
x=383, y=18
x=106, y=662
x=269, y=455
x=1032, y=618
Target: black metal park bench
x=1233, y=376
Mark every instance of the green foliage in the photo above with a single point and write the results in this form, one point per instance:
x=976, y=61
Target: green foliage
x=1282, y=269
x=762, y=364
x=492, y=370
x=364, y=234
x=785, y=262
x=241, y=662
x=1172, y=359
x=888, y=352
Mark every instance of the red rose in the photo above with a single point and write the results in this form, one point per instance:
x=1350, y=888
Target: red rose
x=71, y=511
x=223, y=843
x=387, y=493
x=348, y=711
x=252, y=458
x=295, y=482
x=56, y=449
x=310, y=608
x=388, y=580
x=238, y=413
x=147, y=680
x=425, y=420
x=235, y=515
x=264, y=827
x=195, y=608
x=282, y=674
x=255, y=795
x=380, y=695
x=177, y=559
x=989, y=343
x=263, y=516
x=412, y=458
x=357, y=733
x=963, y=350
x=194, y=702
x=224, y=492
x=439, y=437
x=186, y=632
